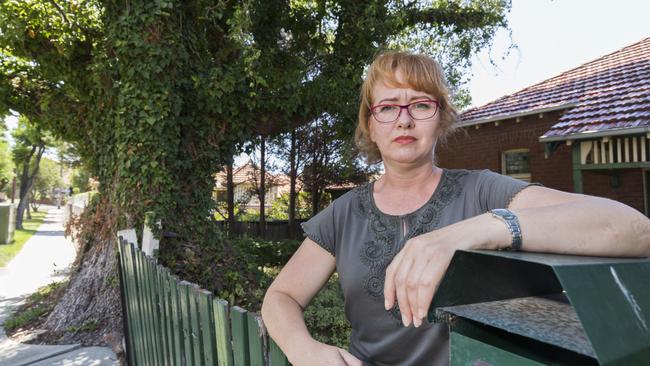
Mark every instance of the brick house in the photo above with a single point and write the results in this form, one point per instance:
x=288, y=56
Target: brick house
x=246, y=179
x=586, y=130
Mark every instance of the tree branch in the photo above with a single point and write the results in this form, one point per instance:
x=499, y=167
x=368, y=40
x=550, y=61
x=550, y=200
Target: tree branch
x=453, y=14
x=61, y=12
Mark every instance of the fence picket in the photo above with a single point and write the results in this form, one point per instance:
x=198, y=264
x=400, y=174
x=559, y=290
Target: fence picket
x=185, y=295
x=206, y=315
x=168, y=317
x=164, y=315
x=141, y=351
x=222, y=333
x=176, y=319
x=145, y=296
x=126, y=296
x=276, y=357
x=239, y=336
x=197, y=345
x=154, y=307
x=256, y=339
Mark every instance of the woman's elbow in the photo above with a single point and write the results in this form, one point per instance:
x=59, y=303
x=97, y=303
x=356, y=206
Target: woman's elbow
x=641, y=230
x=267, y=305
x=625, y=229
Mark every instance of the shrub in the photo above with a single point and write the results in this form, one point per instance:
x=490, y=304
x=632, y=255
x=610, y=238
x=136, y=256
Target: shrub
x=325, y=316
x=267, y=253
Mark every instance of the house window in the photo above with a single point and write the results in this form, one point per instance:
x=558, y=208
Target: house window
x=516, y=164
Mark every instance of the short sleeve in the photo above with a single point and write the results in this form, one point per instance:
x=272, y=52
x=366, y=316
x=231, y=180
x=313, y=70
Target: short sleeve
x=321, y=229
x=496, y=191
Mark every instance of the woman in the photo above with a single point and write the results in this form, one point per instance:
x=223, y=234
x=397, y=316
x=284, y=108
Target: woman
x=391, y=240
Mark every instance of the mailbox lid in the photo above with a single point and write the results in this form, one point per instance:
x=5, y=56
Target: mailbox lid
x=550, y=320
x=610, y=296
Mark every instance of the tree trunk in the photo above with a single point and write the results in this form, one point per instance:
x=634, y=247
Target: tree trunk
x=28, y=211
x=92, y=297
x=262, y=195
x=26, y=182
x=230, y=193
x=292, y=184
x=315, y=200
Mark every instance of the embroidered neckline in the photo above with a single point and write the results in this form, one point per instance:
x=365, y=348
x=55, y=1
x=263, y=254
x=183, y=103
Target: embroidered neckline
x=377, y=253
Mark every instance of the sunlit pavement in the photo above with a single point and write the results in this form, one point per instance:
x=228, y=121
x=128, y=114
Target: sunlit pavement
x=44, y=259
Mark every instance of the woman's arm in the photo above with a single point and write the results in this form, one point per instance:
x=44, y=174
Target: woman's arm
x=551, y=221
x=289, y=294
x=558, y=222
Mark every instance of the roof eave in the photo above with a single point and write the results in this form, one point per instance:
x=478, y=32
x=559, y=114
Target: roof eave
x=502, y=117
x=597, y=134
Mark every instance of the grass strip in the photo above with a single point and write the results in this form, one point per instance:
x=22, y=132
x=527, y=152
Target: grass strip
x=37, y=306
x=9, y=251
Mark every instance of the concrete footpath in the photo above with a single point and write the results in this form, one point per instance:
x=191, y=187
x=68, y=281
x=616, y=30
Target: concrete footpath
x=44, y=259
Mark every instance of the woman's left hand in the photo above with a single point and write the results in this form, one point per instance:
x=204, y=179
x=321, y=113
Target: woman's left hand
x=416, y=271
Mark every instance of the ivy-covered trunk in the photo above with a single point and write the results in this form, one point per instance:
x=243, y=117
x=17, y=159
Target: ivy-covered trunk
x=156, y=141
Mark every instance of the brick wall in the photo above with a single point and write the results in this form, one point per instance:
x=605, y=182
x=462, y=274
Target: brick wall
x=603, y=183
x=481, y=149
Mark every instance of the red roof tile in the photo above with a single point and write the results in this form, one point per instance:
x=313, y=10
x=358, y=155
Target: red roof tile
x=612, y=92
x=247, y=174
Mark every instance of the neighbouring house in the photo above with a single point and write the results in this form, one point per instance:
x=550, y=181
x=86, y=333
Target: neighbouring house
x=246, y=179
x=337, y=190
x=586, y=130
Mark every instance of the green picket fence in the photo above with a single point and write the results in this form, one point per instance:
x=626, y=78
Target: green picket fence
x=168, y=321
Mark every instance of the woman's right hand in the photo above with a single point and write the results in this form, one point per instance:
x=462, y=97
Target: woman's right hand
x=323, y=354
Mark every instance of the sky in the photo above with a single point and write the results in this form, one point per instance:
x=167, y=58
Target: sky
x=553, y=37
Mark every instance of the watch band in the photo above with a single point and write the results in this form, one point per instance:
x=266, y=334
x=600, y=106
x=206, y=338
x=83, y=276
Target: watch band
x=511, y=221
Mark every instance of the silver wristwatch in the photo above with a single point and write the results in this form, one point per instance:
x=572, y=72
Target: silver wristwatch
x=512, y=223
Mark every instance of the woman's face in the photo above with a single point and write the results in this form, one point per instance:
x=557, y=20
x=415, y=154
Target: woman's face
x=406, y=140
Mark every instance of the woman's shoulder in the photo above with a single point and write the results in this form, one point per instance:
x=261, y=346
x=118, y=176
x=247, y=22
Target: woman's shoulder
x=470, y=175
x=354, y=194
x=464, y=175
x=473, y=180
x=356, y=199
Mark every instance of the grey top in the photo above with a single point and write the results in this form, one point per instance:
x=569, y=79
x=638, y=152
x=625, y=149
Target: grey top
x=364, y=240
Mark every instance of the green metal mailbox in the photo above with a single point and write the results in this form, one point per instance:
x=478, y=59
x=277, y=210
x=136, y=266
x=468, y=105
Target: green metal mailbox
x=514, y=308
x=7, y=223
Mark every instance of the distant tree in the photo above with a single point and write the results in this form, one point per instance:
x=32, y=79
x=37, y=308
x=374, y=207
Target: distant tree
x=280, y=207
x=30, y=144
x=6, y=163
x=80, y=178
x=68, y=154
x=327, y=159
x=287, y=148
x=46, y=181
x=260, y=179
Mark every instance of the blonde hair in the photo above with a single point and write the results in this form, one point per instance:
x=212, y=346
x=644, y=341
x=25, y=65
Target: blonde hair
x=419, y=72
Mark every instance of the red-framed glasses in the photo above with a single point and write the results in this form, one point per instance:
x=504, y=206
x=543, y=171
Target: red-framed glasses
x=418, y=110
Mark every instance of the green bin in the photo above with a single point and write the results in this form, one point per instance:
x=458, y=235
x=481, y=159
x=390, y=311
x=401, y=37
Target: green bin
x=7, y=223
x=514, y=308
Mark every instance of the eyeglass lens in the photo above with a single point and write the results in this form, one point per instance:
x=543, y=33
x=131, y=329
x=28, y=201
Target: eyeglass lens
x=417, y=110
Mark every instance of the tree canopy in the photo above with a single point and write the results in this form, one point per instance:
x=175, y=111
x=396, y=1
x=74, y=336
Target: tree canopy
x=157, y=95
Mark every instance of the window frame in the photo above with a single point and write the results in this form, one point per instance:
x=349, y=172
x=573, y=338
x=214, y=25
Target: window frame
x=521, y=176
